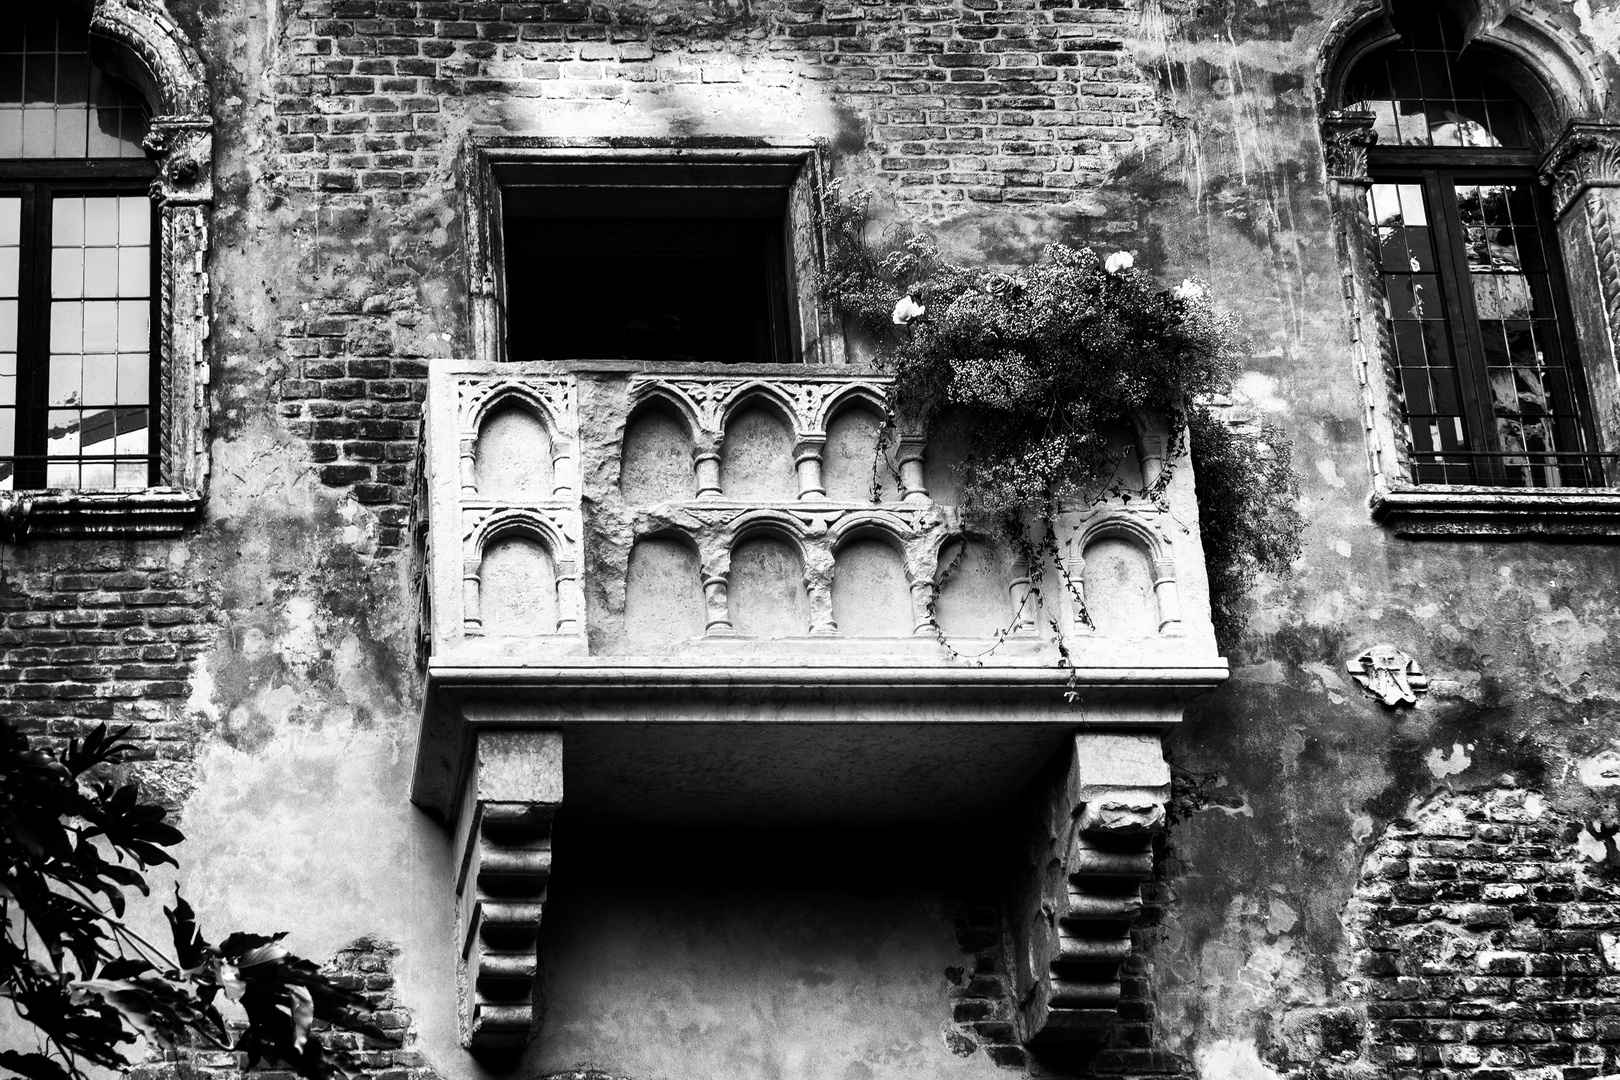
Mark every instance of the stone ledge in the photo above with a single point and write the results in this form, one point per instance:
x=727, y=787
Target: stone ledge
x=154, y=512
x=925, y=743
x=1494, y=512
x=740, y=671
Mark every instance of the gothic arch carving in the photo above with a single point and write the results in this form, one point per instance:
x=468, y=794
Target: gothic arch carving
x=760, y=394
x=550, y=404
x=139, y=41
x=855, y=395
x=773, y=523
x=886, y=528
x=1566, y=76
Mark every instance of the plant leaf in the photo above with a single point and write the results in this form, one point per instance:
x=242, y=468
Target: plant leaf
x=33, y=1066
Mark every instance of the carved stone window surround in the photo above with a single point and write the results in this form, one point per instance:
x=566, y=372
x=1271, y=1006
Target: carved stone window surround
x=139, y=41
x=1582, y=168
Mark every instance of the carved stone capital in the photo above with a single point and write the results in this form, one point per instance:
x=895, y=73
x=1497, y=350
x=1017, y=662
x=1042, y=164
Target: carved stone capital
x=503, y=847
x=1346, y=137
x=1586, y=155
x=1126, y=813
x=183, y=147
x=1090, y=851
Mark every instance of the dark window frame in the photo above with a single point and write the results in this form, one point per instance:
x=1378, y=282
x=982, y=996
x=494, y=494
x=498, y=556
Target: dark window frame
x=496, y=169
x=38, y=182
x=753, y=257
x=1440, y=170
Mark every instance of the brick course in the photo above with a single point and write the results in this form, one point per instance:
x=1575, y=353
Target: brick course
x=365, y=966
x=1479, y=955
x=112, y=641
x=1023, y=101
x=983, y=1008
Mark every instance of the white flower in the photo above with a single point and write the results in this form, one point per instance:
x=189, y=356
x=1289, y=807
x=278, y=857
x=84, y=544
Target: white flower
x=1119, y=261
x=1190, y=290
x=908, y=310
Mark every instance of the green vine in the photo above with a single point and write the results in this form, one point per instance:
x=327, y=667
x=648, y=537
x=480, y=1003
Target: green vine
x=1035, y=369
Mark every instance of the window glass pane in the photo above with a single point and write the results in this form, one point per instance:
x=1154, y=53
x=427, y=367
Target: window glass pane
x=59, y=474
x=134, y=378
x=100, y=364
x=100, y=380
x=1420, y=329
x=66, y=380
x=1423, y=91
x=10, y=233
x=1536, y=414
x=8, y=447
x=47, y=86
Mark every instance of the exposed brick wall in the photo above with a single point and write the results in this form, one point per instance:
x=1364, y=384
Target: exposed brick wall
x=358, y=355
x=981, y=1001
x=1024, y=101
x=1479, y=954
x=983, y=1010
x=1016, y=100
x=365, y=966
x=112, y=640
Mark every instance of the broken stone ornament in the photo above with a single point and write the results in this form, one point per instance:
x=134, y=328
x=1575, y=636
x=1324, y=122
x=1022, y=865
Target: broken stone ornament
x=1389, y=674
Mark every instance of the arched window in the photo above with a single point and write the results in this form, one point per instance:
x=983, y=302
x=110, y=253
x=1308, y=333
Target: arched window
x=1479, y=329
x=78, y=376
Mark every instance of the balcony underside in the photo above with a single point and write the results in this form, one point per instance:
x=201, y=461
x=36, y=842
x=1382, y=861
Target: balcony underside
x=789, y=746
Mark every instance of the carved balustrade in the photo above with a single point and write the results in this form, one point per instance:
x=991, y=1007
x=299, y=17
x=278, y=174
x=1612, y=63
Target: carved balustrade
x=516, y=453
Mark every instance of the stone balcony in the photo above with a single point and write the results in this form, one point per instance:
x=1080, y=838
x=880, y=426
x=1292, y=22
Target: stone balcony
x=707, y=595
x=743, y=516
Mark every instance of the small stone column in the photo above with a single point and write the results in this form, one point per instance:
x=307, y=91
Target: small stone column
x=924, y=594
x=503, y=852
x=909, y=457
x=718, y=607
x=818, y=576
x=1074, y=570
x=469, y=465
x=562, y=467
x=1164, y=591
x=706, y=469
x=472, y=612
x=807, y=461
x=1152, y=446
x=1023, y=621
x=567, y=591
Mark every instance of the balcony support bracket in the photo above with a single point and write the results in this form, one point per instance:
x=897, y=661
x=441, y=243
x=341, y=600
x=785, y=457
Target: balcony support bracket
x=1090, y=847
x=503, y=851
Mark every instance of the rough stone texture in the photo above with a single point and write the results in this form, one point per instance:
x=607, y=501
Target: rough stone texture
x=365, y=966
x=1484, y=943
x=273, y=687
x=110, y=640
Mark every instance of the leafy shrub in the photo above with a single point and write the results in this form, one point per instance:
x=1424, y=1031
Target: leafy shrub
x=1039, y=365
x=71, y=841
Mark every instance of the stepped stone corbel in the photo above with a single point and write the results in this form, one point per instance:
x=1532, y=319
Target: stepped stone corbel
x=1090, y=849
x=503, y=848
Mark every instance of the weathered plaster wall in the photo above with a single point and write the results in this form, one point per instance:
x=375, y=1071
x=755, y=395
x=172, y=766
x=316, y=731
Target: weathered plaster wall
x=267, y=657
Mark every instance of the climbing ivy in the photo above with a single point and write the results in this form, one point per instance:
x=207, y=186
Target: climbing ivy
x=1035, y=368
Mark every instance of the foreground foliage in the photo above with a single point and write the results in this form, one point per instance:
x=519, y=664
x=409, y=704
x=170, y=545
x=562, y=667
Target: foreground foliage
x=1039, y=371
x=71, y=842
